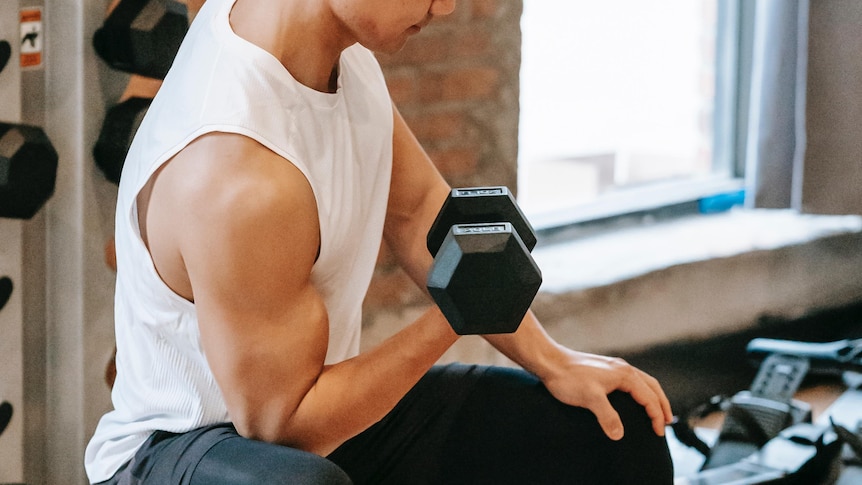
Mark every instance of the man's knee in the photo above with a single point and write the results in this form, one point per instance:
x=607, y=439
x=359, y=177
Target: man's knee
x=631, y=412
x=643, y=453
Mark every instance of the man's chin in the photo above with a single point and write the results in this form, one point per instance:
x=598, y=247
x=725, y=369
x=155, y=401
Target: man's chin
x=388, y=48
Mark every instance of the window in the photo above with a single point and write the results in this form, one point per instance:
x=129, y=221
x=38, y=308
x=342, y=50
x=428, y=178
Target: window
x=626, y=105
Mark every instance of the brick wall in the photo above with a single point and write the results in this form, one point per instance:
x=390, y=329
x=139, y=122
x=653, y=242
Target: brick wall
x=456, y=84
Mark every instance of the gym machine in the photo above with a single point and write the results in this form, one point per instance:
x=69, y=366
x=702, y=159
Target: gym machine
x=769, y=437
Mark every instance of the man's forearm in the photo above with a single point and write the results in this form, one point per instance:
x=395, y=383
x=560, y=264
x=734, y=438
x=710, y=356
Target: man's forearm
x=350, y=396
x=530, y=346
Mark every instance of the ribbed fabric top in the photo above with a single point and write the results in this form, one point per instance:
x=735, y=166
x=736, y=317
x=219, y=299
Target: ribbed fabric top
x=341, y=141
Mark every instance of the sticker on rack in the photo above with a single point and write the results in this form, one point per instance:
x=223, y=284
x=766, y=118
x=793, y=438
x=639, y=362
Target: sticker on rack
x=31, y=42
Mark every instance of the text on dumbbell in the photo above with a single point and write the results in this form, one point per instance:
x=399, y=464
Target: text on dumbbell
x=480, y=229
x=479, y=191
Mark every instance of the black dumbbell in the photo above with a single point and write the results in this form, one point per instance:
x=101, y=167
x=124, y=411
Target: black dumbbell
x=142, y=36
x=5, y=290
x=5, y=415
x=118, y=129
x=28, y=170
x=5, y=54
x=483, y=277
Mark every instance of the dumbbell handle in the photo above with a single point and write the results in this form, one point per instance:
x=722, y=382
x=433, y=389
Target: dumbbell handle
x=828, y=357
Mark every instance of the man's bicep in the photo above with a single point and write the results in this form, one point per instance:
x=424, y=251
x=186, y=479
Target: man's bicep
x=417, y=190
x=249, y=246
x=415, y=179
x=265, y=364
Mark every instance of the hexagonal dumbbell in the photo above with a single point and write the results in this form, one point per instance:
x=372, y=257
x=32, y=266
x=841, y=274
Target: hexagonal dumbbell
x=5, y=290
x=118, y=130
x=28, y=170
x=5, y=415
x=483, y=277
x=5, y=54
x=142, y=36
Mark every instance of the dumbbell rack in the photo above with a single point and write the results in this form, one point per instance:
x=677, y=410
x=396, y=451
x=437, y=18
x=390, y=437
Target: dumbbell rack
x=22, y=254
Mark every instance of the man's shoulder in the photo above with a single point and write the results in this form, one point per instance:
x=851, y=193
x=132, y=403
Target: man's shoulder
x=226, y=171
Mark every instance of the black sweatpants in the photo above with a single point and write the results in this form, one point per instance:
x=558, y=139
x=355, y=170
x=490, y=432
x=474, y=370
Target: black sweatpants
x=459, y=425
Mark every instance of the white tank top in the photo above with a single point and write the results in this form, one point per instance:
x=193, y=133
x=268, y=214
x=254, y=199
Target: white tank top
x=341, y=141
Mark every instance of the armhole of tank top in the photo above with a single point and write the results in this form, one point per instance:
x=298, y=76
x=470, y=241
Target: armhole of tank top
x=132, y=216
x=135, y=226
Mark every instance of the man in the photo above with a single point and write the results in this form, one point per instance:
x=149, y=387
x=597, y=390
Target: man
x=250, y=213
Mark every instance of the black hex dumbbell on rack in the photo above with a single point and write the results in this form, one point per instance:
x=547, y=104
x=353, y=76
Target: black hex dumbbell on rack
x=5, y=54
x=483, y=277
x=5, y=290
x=118, y=130
x=142, y=36
x=28, y=170
x=5, y=415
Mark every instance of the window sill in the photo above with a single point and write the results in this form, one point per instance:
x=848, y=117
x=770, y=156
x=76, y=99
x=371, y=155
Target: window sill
x=605, y=258
x=696, y=277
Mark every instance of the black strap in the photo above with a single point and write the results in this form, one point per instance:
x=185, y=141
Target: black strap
x=684, y=430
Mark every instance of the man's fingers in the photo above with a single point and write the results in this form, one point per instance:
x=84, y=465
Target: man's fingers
x=648, y=393
x=608, y=418
x=653, y=383
x=665, y=403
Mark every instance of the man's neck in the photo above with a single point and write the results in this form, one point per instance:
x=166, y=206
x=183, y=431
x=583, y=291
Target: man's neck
x=302, y=35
